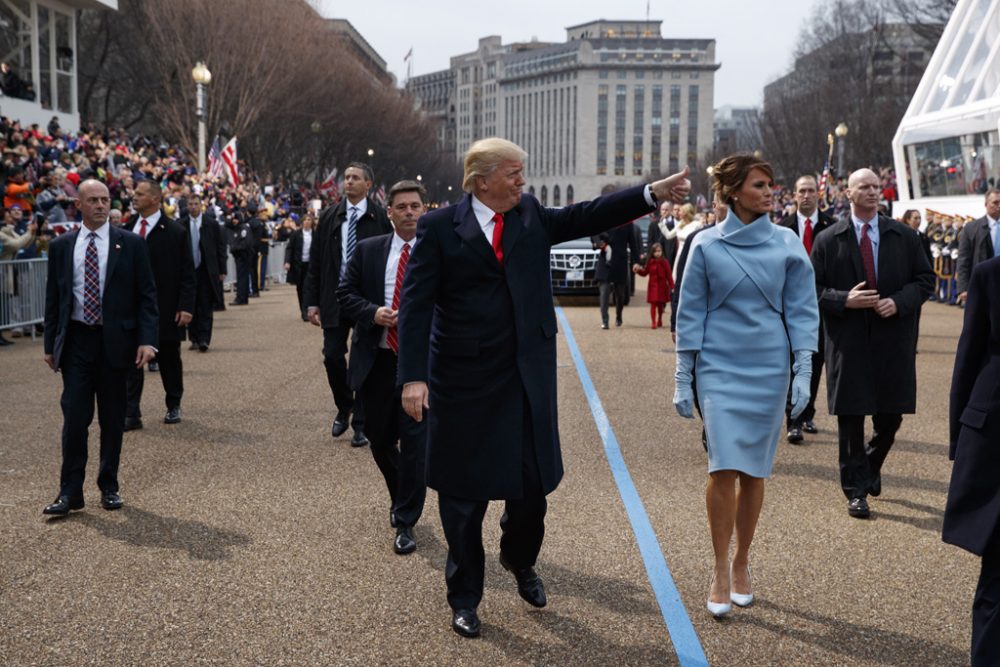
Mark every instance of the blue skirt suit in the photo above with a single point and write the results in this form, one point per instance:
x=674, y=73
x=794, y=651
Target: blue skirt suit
x=747, y=299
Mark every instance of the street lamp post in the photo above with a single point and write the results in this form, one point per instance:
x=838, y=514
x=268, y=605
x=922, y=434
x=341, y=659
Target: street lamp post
x=202, y=77
x=841, y=133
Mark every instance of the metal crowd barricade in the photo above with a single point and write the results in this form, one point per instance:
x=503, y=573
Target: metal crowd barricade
x=275, y=266
x=22, y=293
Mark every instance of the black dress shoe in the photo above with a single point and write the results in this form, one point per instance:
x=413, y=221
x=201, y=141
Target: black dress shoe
x=618, y=322
x=110, y=500
x=529, y=584
x=237, y=303
x=875, y=488
x=858, y=508
x=203, y=347
x=193, y=346
x=404, y=542
x=132, y=424
x=604, y=325
x=795, y=435
x=63, y=505
x=359, y=439
x=465, y=622
x=153, y=367
x=809, y=426
x=339, y=425
x=173, y=416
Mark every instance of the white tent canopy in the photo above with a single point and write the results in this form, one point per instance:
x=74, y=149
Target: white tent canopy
x=947, y=147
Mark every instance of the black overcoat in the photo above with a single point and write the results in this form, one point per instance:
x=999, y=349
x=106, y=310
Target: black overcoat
x=326, y=254
x=622, y=242
x=482, y=336
x=361, y=294
x=972, y=515
x=870, y=360
x=974, y=246
x=212, y=243
x=169, y=248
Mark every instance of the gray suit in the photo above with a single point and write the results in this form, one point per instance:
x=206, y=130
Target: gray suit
x=974, y=246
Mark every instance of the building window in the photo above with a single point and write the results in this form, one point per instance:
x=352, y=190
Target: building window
x=545, y=196
x=693, y=119
x=602, y=74
x=531, y=190
x=638, y=126
x=656, y=130
x=620, y=103
x=569, y=195
x=602, y=129
x=15, y=44
x=675, y=126
x=555, y=196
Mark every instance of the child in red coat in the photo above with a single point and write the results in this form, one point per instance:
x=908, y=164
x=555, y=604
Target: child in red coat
x=661, y=283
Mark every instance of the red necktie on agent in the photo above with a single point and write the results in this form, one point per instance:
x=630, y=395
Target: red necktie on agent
x=807, y=236
x=498, y=236
x=392, y=336
x=142, y=229
x=868, y=258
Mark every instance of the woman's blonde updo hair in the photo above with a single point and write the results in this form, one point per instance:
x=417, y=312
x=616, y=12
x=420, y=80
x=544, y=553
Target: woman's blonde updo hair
x=730, y=172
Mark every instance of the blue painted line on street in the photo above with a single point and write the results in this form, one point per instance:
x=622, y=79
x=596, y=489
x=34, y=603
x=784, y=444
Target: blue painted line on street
x=687, y=646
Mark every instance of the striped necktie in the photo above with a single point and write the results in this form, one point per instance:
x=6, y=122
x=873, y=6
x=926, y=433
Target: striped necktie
x=352, y=235
x=392, y=336
x=91, y=283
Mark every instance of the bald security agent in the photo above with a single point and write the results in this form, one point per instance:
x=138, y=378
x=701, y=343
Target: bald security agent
x=477, y=332
x=100, y=321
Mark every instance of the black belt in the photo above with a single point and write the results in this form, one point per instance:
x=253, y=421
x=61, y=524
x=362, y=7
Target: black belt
x=83, y=325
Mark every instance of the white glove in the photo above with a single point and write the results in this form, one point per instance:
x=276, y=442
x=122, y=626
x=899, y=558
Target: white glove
x=802, y=375
x=683, y=378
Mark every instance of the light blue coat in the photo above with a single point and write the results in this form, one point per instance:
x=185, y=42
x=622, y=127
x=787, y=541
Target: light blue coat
x=748, y=298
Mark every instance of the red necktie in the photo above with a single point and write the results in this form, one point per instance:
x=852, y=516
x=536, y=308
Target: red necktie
x=142, y=229
x=868, y=258
x=498, y=236
x=392, y=337
x=807, y=236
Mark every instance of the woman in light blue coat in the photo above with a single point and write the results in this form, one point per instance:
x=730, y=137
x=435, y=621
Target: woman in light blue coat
x=747, y=301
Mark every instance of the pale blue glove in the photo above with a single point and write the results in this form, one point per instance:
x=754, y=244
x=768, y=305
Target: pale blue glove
x=801, y=377
x=683, y=378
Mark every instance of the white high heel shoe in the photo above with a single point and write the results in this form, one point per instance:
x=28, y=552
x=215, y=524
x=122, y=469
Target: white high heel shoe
x=741, y=599
x=718, y=609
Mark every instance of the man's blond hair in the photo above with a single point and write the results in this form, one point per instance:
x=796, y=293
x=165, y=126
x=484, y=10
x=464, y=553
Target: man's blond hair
x=484, y=156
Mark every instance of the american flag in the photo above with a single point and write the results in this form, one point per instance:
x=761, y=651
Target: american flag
x=380, y=195
x=215, y=160
x=824, y=179
x=229, y=162
x=330, y=184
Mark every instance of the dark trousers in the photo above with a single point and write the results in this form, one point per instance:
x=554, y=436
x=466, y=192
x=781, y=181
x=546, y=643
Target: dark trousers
x=860, y=463
x=300, y=284
x=606, y=290
x=200, y=328
x=522, y=531
x=243, y=263
x=335, y=361
x=402, y=468
x=986, y=610
x=86, y=375
x=168, y=357
x=254, y=272
x=261, y=271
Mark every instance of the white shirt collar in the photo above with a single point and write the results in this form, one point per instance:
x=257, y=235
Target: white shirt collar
x=484, y=214
x=103, y=232
x=151, y=220
x=991, y=222
x=398, y=243
x=812, y=218
x=859, y=223
x=362, y=207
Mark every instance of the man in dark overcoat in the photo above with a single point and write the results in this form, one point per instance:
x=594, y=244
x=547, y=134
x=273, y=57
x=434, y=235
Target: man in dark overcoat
x=619, y=252
x=871, y=277
x=477, y=332
x=978, y=242
x=972, y=515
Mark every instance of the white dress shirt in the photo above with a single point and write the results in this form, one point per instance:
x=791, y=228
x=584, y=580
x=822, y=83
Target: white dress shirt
x=802, y=224
x=195, y=240
x=307, y=241
x=102, y=240
x=362, y=208
x=992, y=224
x=391, y=266
x=873, y=235
x=150, y=223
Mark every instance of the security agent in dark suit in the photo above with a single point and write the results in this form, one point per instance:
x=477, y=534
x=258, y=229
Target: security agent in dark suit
x=807, y=222
x=979, y=241
x=209, y=255
x=871, y=277
x=100, y=320
x=370, y=295
x=169, y=248
x=297, y=255
x=477, y=333
x=972, y=514
x=355, y=218
x=239, y=238
x=613, y=271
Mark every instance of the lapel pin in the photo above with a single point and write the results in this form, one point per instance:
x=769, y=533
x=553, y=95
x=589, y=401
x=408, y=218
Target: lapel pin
x=117, y=247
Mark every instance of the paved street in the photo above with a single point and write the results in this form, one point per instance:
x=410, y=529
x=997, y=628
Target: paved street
x=250, y=537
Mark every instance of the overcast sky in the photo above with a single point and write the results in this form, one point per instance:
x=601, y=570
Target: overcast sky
x=753, y=41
